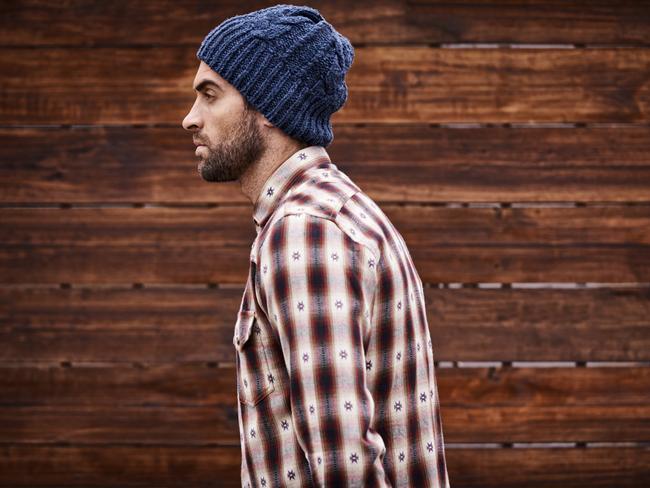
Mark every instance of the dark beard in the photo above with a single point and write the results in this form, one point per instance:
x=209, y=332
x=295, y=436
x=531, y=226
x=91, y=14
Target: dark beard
x=230, y=159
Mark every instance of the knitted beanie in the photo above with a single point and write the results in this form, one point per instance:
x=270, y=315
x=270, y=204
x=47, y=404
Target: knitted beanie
x=288, y=62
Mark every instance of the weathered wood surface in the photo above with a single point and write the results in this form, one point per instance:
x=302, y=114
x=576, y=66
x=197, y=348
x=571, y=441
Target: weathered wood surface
x=391, y=163
x=389, y=84
x=172, y=245
x=192, y=404
x=36, y=466
x=175, y=323
x=107, y=385
x=365, y=21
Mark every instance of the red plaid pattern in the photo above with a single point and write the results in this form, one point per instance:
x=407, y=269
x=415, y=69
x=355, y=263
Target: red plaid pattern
x=335, y=374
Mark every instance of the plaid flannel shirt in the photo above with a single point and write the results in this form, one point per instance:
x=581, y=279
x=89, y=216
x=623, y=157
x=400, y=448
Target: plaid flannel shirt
x=334, y=360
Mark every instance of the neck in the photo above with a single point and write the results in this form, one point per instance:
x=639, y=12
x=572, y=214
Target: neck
x=272, y=157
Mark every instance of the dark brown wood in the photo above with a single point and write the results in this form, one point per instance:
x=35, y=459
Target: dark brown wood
x=118, y=386
x=110, y=324
x=37, y=466
x=387, y=84
x=415, y=163
x=389, y=21
x=602, y=324
x=173, y=245
x=546, y=468
x=196, y=405
x=154, y=325
x=153, y=466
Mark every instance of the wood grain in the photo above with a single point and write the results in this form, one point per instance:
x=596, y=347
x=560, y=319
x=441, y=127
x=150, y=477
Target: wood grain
x=39, y=466
x=365, y=21
x=196, y=405
x=172, y=245
x=104, y=384
x=36, y=466
x=388, y=84
x=183, y=324
x=391, y=163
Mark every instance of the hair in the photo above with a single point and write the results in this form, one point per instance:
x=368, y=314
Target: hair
x=249, y=108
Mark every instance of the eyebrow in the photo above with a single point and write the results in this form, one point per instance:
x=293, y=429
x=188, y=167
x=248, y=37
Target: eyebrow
x=204, y=83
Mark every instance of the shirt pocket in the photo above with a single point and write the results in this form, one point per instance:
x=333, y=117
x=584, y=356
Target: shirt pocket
x=254, y=378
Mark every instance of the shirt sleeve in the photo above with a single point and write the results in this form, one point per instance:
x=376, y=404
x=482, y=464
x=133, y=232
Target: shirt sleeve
x=319, y=288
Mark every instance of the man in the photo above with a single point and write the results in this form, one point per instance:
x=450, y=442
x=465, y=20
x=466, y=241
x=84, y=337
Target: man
x=335, y=374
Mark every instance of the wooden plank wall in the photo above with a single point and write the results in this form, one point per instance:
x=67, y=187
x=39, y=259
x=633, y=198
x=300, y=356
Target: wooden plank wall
x=508, y=141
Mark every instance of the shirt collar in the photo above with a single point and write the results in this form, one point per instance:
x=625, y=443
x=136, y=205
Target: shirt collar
x=283, y=178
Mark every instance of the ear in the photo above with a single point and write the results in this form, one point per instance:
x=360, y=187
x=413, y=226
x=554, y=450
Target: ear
x=264, y=121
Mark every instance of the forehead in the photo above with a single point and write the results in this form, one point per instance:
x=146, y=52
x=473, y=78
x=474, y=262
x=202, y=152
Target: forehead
x=206, y=73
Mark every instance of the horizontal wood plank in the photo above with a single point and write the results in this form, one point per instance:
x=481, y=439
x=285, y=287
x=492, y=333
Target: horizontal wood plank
x=196, y=405
x=387, y=84
x=157, y=325
x=544, y=468
x=173, y=245
x=35, y=466
x=391, y=163
x=146, y=394
x=389, y=21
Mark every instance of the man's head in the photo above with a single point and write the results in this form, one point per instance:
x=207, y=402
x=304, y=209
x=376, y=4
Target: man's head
x=288, y=64
x=227, y=129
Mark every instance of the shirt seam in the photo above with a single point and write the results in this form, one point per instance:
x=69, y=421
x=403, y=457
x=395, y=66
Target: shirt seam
x=328, y=217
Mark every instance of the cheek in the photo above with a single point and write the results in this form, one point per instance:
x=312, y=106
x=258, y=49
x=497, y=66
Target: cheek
x=212, y=133
x=220, y=118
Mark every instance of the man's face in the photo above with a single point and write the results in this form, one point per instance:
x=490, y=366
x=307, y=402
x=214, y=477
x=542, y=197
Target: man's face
x=228, y=132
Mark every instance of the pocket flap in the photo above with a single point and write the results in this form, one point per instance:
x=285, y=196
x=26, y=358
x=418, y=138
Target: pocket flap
x=243, y=327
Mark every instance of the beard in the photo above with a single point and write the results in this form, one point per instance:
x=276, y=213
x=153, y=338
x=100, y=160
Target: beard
x=229, y=160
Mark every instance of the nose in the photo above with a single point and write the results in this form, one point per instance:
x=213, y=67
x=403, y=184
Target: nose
x=192, y=120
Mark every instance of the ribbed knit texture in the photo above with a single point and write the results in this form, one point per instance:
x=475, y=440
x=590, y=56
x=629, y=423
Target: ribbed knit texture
x=288, y=62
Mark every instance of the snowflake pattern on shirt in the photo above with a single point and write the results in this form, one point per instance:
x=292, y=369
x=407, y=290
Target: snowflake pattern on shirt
x=338, y=316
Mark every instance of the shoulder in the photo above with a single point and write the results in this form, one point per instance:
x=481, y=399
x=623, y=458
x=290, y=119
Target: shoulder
x=327, y=203
x=309, y=228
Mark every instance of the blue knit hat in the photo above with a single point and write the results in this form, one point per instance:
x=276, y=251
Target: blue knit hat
x=288, y=62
